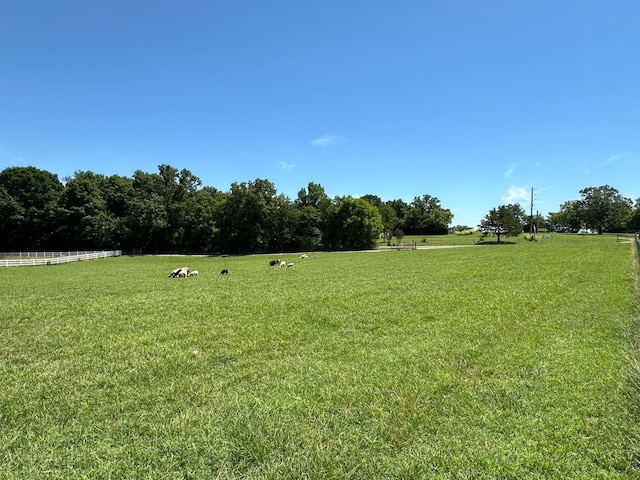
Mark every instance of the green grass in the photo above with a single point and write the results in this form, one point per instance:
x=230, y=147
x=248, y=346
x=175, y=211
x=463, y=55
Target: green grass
x=510, y=362
x=431, y=240
x=453, y=239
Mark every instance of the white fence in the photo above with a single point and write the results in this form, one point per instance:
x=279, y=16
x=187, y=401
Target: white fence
x=17, y=259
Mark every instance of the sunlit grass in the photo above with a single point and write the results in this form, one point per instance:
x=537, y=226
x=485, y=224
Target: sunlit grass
x=481, y=362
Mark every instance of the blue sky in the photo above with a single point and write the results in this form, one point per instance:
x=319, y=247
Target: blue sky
x=473, y=102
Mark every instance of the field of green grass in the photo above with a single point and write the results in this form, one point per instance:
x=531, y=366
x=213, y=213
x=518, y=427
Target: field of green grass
x=510, y=361
x=454, y=239
x=431, y=240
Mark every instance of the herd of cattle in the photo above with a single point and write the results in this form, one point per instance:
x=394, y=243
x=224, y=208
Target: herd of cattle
x=184, y=272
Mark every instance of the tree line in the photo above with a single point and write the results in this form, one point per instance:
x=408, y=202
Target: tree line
x=171, y=211
x=601, y=209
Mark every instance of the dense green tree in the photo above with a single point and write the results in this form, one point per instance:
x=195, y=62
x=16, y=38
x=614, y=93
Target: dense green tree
x=634, y=222
x=426, y=216
x=309, y=233
x=245, y=216
x=389, y=220
x=601, y=208
x=30, y=198
x=374, y=200
x=169, y=211
x=314, y=195
x=178, y=190
x=315, y=209
x=282, y=221
x=400, y=207
x=605, y=209
x=161, y=209
x=505, y=220
x=147, y=216
x=117, y=191
x=356, y=224
x=207, y=203
x=85, y=222
x=569, y=218
x=11, y=217
x=387, y=213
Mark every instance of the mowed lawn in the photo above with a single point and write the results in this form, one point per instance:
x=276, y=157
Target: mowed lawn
x=501, y=361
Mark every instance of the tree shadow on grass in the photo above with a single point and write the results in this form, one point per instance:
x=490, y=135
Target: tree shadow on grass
x=495, y=242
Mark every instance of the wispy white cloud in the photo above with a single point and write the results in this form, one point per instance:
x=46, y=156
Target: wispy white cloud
x=516, y=195
x=509, y=172
x=286, y=166
x=617, y=158
x=613, y=158
x=326, y=141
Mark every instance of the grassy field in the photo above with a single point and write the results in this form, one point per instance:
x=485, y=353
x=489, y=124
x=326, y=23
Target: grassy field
x=430, y=240
x=510, y=361
x=453, y=239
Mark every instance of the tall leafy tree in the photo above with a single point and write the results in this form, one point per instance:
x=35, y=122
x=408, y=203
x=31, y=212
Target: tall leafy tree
x=569, y=218
x=203, y=218
x=356, y=224
x=160, y=211
x=374, y=200
x=245, y=215
x=401, y=209
x=147, y=212
x=387, y=214
x=389, y=220
x=506, y=220
x=309, y=228
x=117, y=192
x=634, y=222
x=85, y=222
x=605, y=209
x=426, y=216
x=282, y=220
x=30, y=199
x=11, y=217
x=177, y=190
x=315, y=209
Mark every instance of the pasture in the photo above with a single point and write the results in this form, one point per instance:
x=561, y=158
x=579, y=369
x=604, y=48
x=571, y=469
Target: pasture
x=488, y=362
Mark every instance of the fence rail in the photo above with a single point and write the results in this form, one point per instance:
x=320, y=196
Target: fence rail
x=21, y=259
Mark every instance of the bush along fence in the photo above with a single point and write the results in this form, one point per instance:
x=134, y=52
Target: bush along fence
x=18, y=259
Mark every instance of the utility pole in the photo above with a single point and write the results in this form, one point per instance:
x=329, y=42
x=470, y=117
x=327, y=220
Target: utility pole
x=531, y=215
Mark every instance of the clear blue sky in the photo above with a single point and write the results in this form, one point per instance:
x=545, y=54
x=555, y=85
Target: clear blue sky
x=473, y=102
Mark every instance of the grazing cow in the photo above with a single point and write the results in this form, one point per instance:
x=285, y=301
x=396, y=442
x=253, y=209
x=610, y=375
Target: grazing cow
x=283, y=263
x=289, y=265
x=224, y=271
x=274, y=263
x=304, y=256
x=194, y=273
